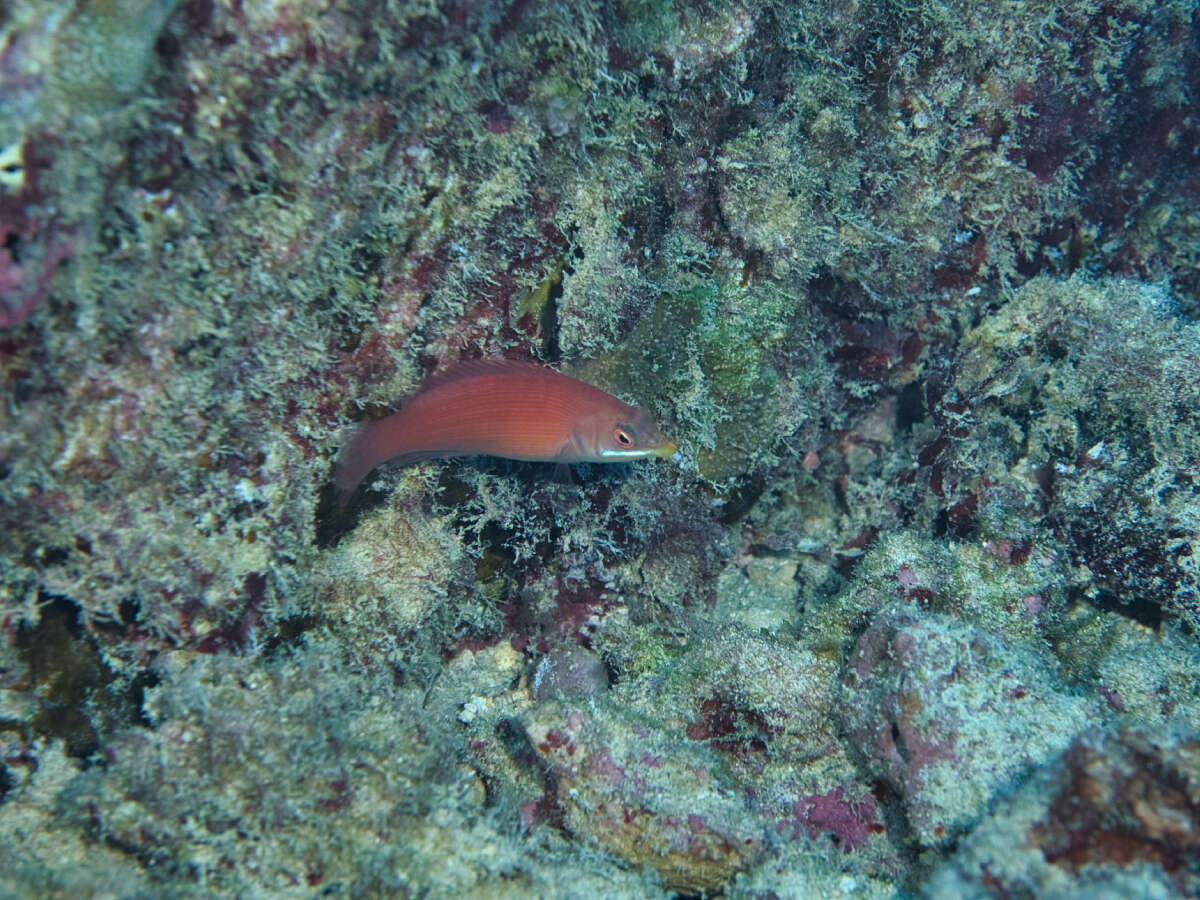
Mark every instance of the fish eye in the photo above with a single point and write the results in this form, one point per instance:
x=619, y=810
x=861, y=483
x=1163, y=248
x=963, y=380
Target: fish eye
x=623, y=436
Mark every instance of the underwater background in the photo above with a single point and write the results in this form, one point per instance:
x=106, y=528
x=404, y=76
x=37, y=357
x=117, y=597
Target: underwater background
x=915, y=289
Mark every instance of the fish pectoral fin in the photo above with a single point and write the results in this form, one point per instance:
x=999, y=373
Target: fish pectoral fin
x=568, y=452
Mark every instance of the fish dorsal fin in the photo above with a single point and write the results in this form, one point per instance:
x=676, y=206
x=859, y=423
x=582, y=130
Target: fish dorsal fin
x=472, y=368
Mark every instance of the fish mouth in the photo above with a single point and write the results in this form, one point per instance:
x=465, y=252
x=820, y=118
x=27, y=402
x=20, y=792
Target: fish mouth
x=665, y=450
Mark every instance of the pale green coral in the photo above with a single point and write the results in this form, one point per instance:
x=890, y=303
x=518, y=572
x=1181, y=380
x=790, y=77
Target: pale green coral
x=974, y=581
x=1094, y=384
x=708, y=345
x=47, y=853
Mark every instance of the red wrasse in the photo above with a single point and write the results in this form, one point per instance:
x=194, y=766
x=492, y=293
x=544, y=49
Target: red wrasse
x=503, y=408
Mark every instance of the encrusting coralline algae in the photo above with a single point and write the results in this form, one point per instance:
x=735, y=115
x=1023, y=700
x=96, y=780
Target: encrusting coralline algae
x=914, y=288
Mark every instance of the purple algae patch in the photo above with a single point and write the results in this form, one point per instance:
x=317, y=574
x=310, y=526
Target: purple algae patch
x=850, y=822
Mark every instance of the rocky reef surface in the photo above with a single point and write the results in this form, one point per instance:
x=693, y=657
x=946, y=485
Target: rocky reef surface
x=914, y=612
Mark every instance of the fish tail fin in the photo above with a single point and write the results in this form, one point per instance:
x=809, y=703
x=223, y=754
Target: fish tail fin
x=357, y=458
x=371, y=445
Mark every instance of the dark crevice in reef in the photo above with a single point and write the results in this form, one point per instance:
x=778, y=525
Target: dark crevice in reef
x=80, y=699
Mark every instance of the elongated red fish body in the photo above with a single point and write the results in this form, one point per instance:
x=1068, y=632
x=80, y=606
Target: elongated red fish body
x=503, y=408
